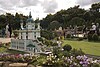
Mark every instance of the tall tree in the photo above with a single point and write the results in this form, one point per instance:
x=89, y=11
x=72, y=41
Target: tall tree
x=54, y=25
x=77, y=21
x=46, y=21
x=95, y=7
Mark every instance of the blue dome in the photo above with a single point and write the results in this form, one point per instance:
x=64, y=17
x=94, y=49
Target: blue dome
x=30, y=20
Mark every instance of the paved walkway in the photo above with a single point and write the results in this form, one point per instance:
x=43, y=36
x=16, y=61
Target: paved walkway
x=5, y=40
x=9, y=64
x=18, y=65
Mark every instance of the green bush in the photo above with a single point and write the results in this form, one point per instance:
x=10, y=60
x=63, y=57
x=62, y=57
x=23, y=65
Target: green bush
x=76, y=52
x=89, y=37
x=66, y=53
x=40, y=39
x=48, y=42
x=95, y=37
x=55, y=44
x=80, y=39
x=68, y=36
x=57, y=51
x=67, y=47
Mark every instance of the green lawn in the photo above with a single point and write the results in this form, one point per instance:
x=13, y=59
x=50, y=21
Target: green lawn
x=87, y=47
x=2, y=49
x=10, y=51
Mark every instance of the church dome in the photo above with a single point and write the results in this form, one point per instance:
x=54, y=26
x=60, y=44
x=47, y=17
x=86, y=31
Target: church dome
x=30, y=18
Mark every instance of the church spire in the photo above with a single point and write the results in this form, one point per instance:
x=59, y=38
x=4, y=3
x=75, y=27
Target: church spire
x=30, y=15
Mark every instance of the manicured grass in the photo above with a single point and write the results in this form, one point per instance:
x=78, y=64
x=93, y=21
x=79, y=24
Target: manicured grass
x=92, y=48
x=2, y=49
x=10, y=51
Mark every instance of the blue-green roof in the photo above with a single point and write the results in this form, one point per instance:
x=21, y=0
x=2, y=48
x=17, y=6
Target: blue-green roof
x=30, y=45
x=30, y=20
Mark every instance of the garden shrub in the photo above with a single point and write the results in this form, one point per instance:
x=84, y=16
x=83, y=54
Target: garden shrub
x=57, y=52
x=67, y=47
x=89, y=37
x=68, y=36
x=95, y=37
x=80, y=39
x=62, y=37
x=55, y=44
x=76, y=52
x=66, y=54
x=47, y=42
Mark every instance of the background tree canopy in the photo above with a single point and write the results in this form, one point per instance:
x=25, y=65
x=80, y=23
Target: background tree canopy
x=13, y=20
x=72, y=16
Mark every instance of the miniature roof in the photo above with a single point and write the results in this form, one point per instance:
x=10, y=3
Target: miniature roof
x=30, y=45
x=30, y=18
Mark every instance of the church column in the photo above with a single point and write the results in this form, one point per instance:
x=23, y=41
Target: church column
x=25, y=44
x=24, y=35
x=38, y=26
x=33, y=37
x=20, y=35
x=37, y=34
x=21, y=24
x=33, y=26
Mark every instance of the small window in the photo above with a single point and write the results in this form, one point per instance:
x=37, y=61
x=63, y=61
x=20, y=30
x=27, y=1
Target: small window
x=21, y=35
x=35, y=36
x=26, y=35
x=34, y=33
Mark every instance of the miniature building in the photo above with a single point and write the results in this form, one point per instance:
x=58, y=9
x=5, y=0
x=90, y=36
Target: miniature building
x=27, y=39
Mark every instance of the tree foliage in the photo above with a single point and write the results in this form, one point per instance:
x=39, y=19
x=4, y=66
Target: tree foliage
x=13, y=20
x=48, y=34
x=67, y=47
x=73, y=16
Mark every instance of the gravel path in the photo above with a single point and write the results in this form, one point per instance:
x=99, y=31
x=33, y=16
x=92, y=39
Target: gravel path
x=5, y=40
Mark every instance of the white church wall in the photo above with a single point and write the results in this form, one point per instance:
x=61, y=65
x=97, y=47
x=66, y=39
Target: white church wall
x=33, y=26
x=21, y=44
x=20, y=35
x=24, y=35
x=37, y=34
x=30, y=35
x=29, y=26
x=27, y=36
x=17, y=44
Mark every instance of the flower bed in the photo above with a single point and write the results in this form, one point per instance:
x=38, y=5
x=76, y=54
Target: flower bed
x=52, y=60
x=72, y=61
x=16, y=57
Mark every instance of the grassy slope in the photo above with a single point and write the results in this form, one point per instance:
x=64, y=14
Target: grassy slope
x=2, y=49
x=88, y=47
x=11, y=51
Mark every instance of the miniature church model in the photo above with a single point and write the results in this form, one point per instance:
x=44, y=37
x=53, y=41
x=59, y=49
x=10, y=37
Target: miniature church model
x=30, y=32
x=27, y=39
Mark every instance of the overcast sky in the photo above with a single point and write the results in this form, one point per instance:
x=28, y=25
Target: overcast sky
x=40, y=8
